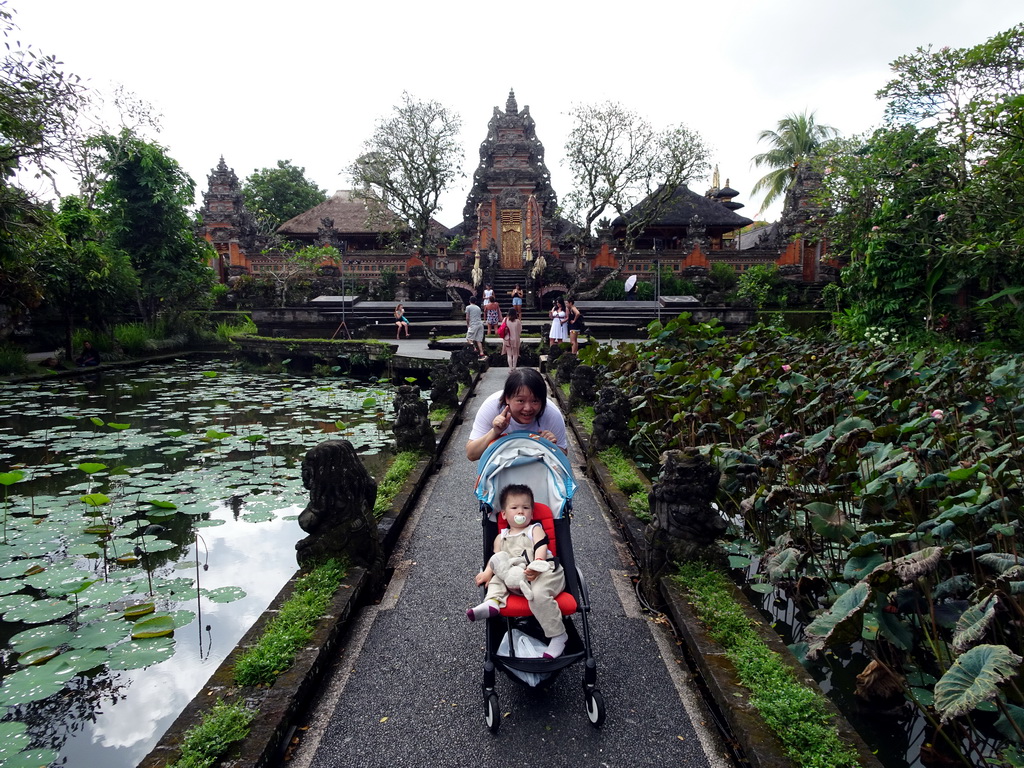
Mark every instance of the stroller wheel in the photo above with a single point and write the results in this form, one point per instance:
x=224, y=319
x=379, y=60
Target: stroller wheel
x=492, y=716
x=595, y=707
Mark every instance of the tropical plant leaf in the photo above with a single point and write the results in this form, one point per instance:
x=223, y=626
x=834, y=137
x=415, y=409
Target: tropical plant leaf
x=830, y=522
x=974, y=678
x=841, y=623
x=157, y=626
x=856, y=568
x=1003, y=725
x=783, y=563
x=973, y=624
x=1000, y=562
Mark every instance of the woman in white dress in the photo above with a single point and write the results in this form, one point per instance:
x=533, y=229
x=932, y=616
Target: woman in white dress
x=558, y=319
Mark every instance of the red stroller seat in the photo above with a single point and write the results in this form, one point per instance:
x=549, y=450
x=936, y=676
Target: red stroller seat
x=517, y=605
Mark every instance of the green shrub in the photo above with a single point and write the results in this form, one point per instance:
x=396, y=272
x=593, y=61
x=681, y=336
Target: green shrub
x=204, y=744
x=292, y=628
x=133, y=338
x=12, y=360
x=101, y=342
x=245, y=327
x=723, y=276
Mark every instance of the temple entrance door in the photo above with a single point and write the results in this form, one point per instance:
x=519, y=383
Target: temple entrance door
x=512, y=239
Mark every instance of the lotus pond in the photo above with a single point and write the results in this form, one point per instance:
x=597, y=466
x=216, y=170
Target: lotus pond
x=874, y=496
x=148, y=520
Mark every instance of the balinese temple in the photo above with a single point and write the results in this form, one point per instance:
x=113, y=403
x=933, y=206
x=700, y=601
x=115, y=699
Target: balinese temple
x=510, y=221
x=511, y=210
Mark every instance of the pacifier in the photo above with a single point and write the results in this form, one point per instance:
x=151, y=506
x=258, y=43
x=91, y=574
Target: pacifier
x=519, y=519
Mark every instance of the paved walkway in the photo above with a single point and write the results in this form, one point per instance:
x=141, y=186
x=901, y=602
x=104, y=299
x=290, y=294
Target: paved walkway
x=406, y=689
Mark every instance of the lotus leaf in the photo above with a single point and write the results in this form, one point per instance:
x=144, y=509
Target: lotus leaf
x=974, y=623
x=101, y=634
x=140, y=609
x=156, y=626
x=13, y=739
x=841, y=623
x=36, y=637
x=108, y=592
x=7, y=602
x=20, y=567
x=974, y=678
x=857, y=568
x=783, y=563
x=224, y=594
x=84, y=660
x=1000, y=562
x=35, y=683
x=137, y=654
x=37, y=656
x=40, y=611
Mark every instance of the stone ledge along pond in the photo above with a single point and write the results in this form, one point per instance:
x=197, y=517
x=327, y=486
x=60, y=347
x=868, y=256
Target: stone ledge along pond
x=148, y=520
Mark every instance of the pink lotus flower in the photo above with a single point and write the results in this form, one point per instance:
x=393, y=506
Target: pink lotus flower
x=938, y=415
x=786, y=368
x=875, y=228
x=942, y=217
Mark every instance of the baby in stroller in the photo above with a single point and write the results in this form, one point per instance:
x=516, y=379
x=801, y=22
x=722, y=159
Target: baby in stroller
x=524, y=543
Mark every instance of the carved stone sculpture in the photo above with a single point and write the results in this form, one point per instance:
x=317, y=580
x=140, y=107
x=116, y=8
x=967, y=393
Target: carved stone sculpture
x=567, y=363
x=582, y=386
x=339, y=517
x=611, y=419
x=444, y=380
x=412, y=421
x=685, y=524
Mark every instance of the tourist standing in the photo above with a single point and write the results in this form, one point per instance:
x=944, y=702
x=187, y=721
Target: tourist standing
x=558, y=318
x=517, y=296
x=513, y=337
x=475, y=326
x=574, y=320
x=493, y=310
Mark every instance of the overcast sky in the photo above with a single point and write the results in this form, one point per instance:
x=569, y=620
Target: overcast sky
x=258, y=82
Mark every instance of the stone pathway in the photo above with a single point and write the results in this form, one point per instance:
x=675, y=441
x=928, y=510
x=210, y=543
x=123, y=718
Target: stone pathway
x=406, y=689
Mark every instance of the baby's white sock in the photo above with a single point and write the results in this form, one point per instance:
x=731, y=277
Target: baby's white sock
x=556, y=645
x=485, y=610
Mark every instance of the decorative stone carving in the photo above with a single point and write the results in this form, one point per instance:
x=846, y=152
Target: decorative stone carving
x=567, y=363
x=444, y=379
x=339, y=517
x=611, y=419
x=582, y=386
x=412, y=421
x=685, y=524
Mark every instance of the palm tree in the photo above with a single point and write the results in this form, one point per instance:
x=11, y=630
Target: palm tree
x=796, y=138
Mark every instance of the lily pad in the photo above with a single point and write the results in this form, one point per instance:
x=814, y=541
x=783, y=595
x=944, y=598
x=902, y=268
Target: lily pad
x=35, y=683
x=37, y=656
x=101, y=634
x=224, y=594
x=36, y=637
x=40, y=611
x=138, y=654
x=157, y=626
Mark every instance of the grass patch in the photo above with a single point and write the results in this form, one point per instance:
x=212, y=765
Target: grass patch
x=205, y=743
x=585, y=416
x=292, y=628
x=440, y=413
x=623, y=471
x=227, y=331
x=133, y=338
x=640, y=506
x=795, y=712
x=394, y=479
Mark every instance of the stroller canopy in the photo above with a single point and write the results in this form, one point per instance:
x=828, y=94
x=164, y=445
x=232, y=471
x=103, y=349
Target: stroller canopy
x=529, y=460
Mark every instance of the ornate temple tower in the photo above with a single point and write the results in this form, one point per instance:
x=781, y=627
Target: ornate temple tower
x=226, y=224
x=511, y=207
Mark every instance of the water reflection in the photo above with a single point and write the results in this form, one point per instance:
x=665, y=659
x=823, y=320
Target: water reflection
x=201, y=479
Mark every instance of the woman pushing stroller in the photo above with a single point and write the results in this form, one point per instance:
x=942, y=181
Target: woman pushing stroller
x=521, y=563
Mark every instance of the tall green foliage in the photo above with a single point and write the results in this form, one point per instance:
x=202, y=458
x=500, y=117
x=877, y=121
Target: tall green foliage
x=146, y=197
x=796, y=138
x=930, y=208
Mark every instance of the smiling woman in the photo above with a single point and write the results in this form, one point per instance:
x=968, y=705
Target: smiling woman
x=521, y=405
x=129, y=531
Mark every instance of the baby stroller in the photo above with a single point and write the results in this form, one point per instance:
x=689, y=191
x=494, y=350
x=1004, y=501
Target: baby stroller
x=532, y=461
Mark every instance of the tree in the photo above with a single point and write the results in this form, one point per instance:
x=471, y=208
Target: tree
x=39, y=103
x=409, y=161
x=82, y=276
x=796, y=138
x=617, y=158
x=275, y=195
x=930, y=208
x=146, y=197
x=302, y=263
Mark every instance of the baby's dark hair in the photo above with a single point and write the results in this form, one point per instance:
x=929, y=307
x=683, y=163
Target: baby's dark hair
x=516, y=489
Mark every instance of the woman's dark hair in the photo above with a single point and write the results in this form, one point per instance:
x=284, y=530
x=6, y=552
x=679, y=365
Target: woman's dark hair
x=532, y=380
x=518, y=490
x=513, y=313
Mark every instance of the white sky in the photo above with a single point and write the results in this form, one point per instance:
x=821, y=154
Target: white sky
x=258, y=81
